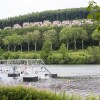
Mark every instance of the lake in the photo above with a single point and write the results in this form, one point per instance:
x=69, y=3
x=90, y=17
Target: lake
x=77, y=79
x=74, y=70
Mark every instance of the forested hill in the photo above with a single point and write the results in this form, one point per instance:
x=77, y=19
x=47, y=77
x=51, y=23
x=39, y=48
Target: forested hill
x=52, y=15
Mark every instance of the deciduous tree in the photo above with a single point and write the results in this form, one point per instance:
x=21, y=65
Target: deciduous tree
x=65, y=35
x=35, y=37
x=28, y=38
x=96, y=36
x=50, y=35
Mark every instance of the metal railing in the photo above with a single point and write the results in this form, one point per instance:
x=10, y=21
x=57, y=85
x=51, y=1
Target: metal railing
x=17, y=63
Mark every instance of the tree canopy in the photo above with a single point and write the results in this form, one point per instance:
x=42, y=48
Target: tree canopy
x=94, y=12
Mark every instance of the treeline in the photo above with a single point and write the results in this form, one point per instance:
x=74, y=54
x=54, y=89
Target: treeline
x=75, y=37
x=52, y=15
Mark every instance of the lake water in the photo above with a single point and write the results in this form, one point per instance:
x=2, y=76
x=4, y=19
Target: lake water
x=77, y=79
x=74, y=70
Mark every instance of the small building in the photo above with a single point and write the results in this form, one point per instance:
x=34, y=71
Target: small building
x=26, y=24
x=56, y=23
x=16, y=26
x=76, y=22
x=37, y=23
x=31, y=24
x=89, y=21
x=7, y=28
x=46, y=23
x=66, y=22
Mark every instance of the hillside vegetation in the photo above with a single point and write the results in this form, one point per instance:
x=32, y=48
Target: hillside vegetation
x=52, y=15
x=55, y=44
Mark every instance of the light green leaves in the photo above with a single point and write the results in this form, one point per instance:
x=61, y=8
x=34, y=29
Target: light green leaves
x=94, y=14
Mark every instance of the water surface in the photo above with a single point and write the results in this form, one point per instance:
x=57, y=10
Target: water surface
x=77, y=79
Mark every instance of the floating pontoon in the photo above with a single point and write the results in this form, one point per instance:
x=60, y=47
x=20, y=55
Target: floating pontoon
x=22, y=66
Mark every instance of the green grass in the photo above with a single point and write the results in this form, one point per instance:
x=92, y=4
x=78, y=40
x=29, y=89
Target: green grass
x=30, y=93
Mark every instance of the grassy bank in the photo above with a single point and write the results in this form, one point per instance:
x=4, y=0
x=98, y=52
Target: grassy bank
x=29, y=93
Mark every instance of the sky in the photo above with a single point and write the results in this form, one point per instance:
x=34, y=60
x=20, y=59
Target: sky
x=10, y=8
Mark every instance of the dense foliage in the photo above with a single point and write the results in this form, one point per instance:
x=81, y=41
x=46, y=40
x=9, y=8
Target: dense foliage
x=87, y=56
x=42, y=42
x=94, y=14
x=45, y=40
x=64, y=14
x=33, y=38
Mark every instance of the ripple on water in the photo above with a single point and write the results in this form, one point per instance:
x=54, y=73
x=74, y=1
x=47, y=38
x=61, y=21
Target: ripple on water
x=82, y=85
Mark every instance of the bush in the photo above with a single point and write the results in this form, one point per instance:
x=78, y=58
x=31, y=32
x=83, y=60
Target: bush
x=46, y=50
x=81, y=58
x=1, y=52
x=54, y=59
x=94, y=52
x=92, y=55
x=63, y=49
x=57, y=59
x=6, y=55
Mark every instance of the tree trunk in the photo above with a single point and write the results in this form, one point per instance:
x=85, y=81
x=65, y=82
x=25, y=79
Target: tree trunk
x=8, y=47
x=75, y=44
x=67, y=45
x=21, y=47
x=82, y=44
x=51, y=46
x=28, y=47
x=14, y=48
x=35, y=46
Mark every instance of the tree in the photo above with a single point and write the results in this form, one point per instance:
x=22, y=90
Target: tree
x=94, y=13
x=50, y=35
x=35, y=38
x=63, y=49
x=15, y=40
x=65, y=35
x=46, y=49
x=89, y=29
x=28, y=38
x=96, y=36
x=75, y=34
x=83, y=36
x=0, y=41
x=7, y=41
x=20, y=41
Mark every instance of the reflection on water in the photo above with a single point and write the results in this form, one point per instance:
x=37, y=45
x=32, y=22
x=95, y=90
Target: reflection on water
x=81, y=79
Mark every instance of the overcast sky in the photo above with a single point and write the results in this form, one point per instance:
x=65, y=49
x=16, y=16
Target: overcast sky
x=10, y=8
